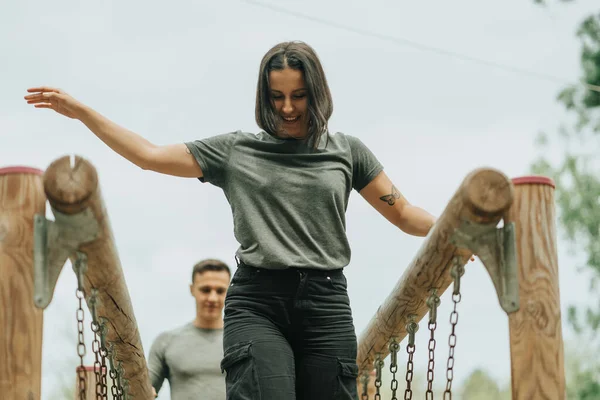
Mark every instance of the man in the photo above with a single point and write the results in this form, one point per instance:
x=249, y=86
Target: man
x=189, y=357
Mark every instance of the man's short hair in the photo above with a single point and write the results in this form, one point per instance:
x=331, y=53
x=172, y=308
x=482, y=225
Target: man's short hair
x=210, y=264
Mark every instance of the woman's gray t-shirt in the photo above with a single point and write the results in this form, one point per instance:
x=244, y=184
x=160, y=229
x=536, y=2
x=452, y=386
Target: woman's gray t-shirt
x=288, y=199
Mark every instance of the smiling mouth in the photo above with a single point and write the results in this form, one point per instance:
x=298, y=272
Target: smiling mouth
x=291, y=119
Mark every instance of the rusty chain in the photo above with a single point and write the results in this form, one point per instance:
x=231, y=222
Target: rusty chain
x=411, y=328
x=378, y=364
x=394, y=348
x=457, y=272
x=365, y=387
x=81, y=349
x=104, y=384
x=97, y=364
x=433, y=303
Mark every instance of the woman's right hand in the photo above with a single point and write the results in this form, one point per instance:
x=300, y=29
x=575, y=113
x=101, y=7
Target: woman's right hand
x=55, y=99
x=175, y=159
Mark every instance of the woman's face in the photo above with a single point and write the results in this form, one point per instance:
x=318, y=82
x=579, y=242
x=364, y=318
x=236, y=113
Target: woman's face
x=290, y=98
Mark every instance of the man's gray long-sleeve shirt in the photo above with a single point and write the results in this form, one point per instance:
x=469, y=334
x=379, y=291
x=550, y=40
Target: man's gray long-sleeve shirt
x=189, y=358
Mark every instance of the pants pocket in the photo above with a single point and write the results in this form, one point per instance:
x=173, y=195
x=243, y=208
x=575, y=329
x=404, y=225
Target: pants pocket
x=241, y=379
x=347, y=384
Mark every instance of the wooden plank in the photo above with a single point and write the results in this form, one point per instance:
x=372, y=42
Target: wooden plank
x=21, y=323
x=536, y=344
x=71, y=190
x=484, y=197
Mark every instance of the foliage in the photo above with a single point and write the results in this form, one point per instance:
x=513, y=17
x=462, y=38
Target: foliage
x=577, y=178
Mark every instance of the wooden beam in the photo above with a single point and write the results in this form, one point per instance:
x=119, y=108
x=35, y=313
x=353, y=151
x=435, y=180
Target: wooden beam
x=536, y=344
x=21, y=323
x=71, y=190
x=484, y=197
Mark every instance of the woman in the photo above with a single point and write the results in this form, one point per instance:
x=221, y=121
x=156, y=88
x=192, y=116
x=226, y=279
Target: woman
x=288, y=331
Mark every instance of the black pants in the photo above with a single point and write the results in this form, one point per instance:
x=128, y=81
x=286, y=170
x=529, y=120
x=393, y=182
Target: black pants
x=288, y=335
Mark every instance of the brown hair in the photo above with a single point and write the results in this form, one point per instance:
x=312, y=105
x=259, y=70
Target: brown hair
x=209, y=264
x=298, y=56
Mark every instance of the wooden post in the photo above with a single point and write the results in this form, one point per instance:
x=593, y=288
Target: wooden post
x=21, y=197
x=536, y=345
x=484, y=197
x=71, y=190
x=90, y=383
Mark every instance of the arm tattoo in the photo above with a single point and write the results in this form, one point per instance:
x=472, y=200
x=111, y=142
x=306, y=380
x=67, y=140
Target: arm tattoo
x=391, y=198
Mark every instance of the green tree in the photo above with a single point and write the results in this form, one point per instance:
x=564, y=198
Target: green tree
x=578, y=175
x=480, y=386
x=582, y=373
x=577, y=178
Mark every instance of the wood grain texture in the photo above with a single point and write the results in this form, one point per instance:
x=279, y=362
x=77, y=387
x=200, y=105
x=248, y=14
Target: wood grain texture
x=90, y=383
x=69, y=191
x=21, y=323
x=536, y=345
x=484, y=197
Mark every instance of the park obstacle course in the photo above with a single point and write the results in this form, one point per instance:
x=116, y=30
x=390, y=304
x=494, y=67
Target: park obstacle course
x=520, y=256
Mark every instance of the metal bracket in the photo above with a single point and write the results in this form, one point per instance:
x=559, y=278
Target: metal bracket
x=53, y=243
x=433, y=302
x=80, y=268
x=92, y=302
x=411, y=328
x=496, y=248
x=378, y=366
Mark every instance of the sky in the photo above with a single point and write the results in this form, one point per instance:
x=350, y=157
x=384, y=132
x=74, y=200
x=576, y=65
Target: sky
x=184, y=70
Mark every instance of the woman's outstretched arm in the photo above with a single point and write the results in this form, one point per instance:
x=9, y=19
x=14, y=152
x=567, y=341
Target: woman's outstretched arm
x=385, y=198
x=172, y=159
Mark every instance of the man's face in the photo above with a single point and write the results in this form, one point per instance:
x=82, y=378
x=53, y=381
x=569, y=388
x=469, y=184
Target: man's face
x=209, y=289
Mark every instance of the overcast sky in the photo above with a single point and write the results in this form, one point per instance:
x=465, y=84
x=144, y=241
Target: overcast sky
x=184, y=70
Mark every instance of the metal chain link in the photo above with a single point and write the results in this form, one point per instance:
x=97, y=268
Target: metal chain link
x=97, y=365
x=104, y=384
x=457, y=271
x=98, y=347
x=124, y=387
x=81, y=349
x=378, y=368
x=394, y=348
x=410, y=349
x=431, y=363
x=433, y=303
x=115, y=373
x=113, y=388
x=411, y=328
x=365, y=387
x=92, y=301
x=120, y=388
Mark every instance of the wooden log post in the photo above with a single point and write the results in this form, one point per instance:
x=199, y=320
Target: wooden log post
x=484, y=197
x=70, y=191
x=21, y=197
x=536, y=345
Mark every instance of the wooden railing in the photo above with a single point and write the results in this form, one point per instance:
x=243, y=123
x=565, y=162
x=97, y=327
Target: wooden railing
x=522, y=265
